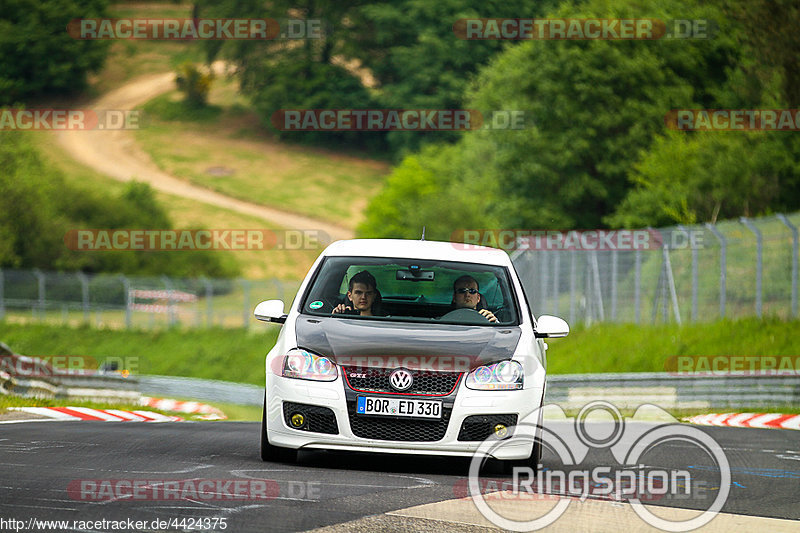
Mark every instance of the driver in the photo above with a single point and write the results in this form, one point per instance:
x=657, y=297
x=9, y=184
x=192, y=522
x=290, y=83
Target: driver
x=362, y=293
x=466, y=296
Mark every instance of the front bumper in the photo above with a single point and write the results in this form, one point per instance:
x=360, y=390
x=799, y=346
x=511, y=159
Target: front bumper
x=340, y=399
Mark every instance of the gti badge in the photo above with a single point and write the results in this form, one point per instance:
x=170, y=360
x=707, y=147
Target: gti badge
x=401, y=379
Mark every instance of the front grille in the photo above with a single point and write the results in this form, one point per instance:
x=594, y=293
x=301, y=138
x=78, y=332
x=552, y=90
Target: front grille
x=425, y=381
x=318, y=419
x=399, y=430
x=480, y=427
x=416, y=430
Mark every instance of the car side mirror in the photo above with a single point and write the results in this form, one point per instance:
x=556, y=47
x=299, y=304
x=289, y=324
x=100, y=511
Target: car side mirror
x=270, y=311
x=551, y=327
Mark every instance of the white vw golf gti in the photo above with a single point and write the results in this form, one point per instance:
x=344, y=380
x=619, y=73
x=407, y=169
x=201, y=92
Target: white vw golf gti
x=413, y=347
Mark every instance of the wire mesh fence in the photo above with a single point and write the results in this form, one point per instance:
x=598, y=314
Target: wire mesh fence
x=118, y=301
x=685, y=274
x=696, y=273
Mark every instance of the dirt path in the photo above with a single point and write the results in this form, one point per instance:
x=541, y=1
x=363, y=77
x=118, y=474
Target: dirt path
x=116, y=154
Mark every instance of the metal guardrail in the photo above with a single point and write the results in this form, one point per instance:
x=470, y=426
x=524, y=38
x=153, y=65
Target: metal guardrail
x=670, y=391
x=201, y=389
x=109, y=387
x=570, y=391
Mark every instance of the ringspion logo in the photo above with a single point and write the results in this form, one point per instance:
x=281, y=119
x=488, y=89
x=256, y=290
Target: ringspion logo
x=632, y=476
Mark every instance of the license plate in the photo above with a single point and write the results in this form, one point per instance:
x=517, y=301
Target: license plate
x=367, y=405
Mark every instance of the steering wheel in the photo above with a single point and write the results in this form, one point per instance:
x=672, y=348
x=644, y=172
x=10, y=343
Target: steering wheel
x=466, y=315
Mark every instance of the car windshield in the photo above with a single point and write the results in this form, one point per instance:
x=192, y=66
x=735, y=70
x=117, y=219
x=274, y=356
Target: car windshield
x=412, y=290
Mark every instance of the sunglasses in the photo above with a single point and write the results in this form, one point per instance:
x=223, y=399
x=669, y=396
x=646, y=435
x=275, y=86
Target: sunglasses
x=465, y=291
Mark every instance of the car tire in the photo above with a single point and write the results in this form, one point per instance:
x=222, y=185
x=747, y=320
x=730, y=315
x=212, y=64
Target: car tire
x=270, y=452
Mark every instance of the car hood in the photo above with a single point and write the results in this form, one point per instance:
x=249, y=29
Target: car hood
x=389, y=344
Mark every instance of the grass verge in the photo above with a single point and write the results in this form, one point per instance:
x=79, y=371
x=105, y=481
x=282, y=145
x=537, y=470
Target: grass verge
x=648, y=348
x=238, y=355
x=223, y=148
x=187, y=214
x=214, y=353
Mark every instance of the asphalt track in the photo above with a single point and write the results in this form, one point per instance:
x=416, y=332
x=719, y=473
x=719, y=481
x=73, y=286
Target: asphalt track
x=39, y=460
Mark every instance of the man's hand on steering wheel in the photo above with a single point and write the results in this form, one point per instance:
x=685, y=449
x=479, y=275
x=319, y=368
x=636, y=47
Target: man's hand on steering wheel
x=341, y=308
x=488, y=315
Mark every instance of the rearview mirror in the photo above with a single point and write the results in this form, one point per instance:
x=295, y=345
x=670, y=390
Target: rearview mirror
x=270, y=311
x=551, y=327
x=414, y=274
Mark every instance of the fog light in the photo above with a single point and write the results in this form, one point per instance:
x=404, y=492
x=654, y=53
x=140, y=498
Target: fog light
x=501, y=431
x=298, y=420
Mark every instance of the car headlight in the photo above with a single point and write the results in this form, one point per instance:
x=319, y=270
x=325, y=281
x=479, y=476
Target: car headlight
x=302, y=364
x=505, y=375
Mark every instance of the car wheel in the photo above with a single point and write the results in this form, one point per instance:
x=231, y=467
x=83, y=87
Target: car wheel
x=270, y=452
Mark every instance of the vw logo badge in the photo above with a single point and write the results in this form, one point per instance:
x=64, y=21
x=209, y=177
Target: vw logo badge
x=401, y=379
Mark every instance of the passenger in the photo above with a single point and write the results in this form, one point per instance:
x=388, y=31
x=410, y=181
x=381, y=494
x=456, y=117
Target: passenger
x=466, y=296
x=362, y=295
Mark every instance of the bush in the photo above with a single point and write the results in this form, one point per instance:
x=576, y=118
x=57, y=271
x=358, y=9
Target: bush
x=38, y=208
x=194, y=83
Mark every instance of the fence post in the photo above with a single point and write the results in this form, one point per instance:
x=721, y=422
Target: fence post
x=672, y=292
x=2, y=296
x=41, y=283
x=759, y=257
x=637, y=285
x=613, y=285
x=543, y=279
x=694, y=271
x=246, y=302
x=723, y=256
x=84, y=295
x=279, y=292
x=572, y=274
x=209, y=302
x=126, y=287
x=793, y=229
x=598, y=291
x=556, y=268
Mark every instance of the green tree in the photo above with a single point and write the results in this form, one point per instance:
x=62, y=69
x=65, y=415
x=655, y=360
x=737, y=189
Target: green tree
x=38, y=56
x=440, y=188
x=690, y=178
x=768, y=31
x=594, y=107
x=419, y=62
x=38, y=207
